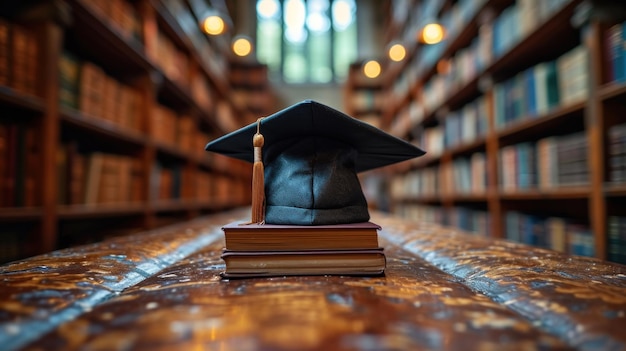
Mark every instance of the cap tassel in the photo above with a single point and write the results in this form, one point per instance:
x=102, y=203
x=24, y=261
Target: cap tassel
x=258, y=178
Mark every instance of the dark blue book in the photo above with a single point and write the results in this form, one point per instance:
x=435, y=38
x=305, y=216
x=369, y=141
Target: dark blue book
x=552, y=85
x=530, y=93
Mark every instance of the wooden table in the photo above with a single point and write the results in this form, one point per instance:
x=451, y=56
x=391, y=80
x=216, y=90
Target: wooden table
x=161, y=290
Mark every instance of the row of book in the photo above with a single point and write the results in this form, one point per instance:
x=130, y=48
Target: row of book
x=221, y=189
x=105, y=178
x=97, y=177
x=458, y=127
x=545, y=164
x=168, y=127
x=88, y=88
x=471, y=220
x=535, y=91
x=259, y=101
x=615, y=57
x=617, y=153
x=616, y=244
x=120, y=15
x=423, y=182
x=465, y=175
x=556, y=233
x=466, y=124
x=173, y=61
x=202, y=92
x=493, y=40
x=248, y=76
x=20, y=164
x=19, y=63
x=519, y=20
x=171, y=182
x=548, y=163
x=366, y=99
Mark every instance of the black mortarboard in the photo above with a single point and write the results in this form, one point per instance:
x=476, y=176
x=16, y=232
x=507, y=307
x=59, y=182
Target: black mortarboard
x=312, y=154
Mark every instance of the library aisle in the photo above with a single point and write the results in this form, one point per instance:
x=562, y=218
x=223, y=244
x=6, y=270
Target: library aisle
x=509, y=233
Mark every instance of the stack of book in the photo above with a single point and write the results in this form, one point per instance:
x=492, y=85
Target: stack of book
x=274, y=250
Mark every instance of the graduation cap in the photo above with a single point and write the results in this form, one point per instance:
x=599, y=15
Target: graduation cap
x=311, y=155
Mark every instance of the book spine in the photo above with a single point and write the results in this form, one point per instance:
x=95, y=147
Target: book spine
x=69, y=67
x=5, y=51
x=4, y=160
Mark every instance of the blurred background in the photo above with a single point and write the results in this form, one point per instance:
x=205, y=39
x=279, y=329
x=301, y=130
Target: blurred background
x=520, y=105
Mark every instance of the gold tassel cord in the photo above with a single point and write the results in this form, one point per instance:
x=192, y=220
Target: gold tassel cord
x=258, y=177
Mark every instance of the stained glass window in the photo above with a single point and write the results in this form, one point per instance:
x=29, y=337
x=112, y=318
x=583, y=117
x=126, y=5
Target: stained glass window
x=307, y=41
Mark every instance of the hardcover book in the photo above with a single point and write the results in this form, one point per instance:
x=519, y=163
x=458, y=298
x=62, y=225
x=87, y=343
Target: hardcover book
x=242, y=264
x=300, y=237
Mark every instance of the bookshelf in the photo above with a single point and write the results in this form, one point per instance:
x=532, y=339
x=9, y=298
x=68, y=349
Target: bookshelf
x=521, y=111
x=363, y=99
x=107, y=108
x=251, y=87
x=363, y=96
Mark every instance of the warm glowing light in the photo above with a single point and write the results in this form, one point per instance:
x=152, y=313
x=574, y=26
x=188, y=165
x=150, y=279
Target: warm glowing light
x=397, y=52
x=214, y=25
x=242, y=47
x=432, y=33
x=371, y=69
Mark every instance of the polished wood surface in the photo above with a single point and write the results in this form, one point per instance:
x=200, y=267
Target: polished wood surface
x=161, y=290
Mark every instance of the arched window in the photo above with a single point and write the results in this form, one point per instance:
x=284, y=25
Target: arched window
x=307, y=41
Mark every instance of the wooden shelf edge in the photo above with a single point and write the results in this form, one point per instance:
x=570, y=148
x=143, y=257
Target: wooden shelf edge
x=100, y=126
x=564, y=192
x=173, y=205
x=611, y=90
x=86, y=17
x=615, y=189
x=20, y=213
x=531, y=122
x=100, y=210
x=14, y=98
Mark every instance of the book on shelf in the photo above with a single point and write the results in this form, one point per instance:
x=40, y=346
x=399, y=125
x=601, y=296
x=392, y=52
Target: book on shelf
x=239, y=236
x=616, y=243
x=100, y=178
x=547, y=163
x=69, y=73
x=617, y=153
x=24, y=59
x=243, y=264
x=19, y=179
x=537, y=90
x=573, y=76
x=615, y=37
x=5, y=50
x=472, y=220
x=555, y=233
x=90, y=99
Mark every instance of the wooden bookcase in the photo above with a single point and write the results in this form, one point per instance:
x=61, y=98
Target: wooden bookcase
x=363, y=96
x=504, y=158
x=251, y=87
x=107, y=106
